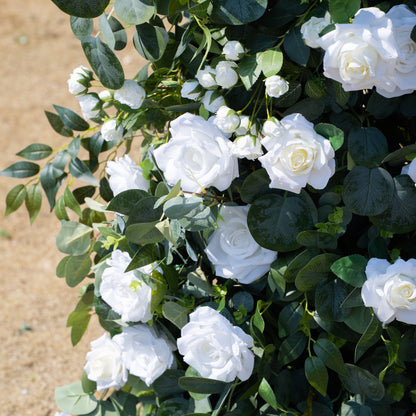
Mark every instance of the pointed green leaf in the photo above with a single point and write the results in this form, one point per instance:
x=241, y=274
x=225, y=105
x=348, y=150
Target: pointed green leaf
x=20, y=170
x=351, y=269
x=79, y=170
x=201, y=385
x=106, y=31
x=291, y=348
x=15, y=198
x=150, y=41
x=341, y=11
x=295, y=46
x=33, y=201
x=77, y=268
x=368, y=338
x=60, y=210
x=35, y=151
x=56, y=123
x=332, y=133
x=49, y=183
x=317, y=374
x=71, y=202
x=71, y=119
x=330, y=355
x=175, y=313
x=266, y=392
x=74, y=238
x=238, y=12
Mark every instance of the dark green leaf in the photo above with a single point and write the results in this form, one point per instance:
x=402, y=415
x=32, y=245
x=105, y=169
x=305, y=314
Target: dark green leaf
x=398, y=157
x=290, y=318
x=310, y=108
x=73, y=238
x=81, y=27
x=400, y=216
x=381, y=107
x=33, y=201
x=88, y=386
x=144, y=211
x=351, y=408
x=291, y=348
x=56, y=123
x=316, y=374
x=79, y=170
x=332, y=133
x=266, y=392
x=249, y=71
x=295, y=265
x=82, y=8
x=104, y=62
x=329, y=296
x=175, y=313
x=49, y=183
x=318, y=239
x=144, y=233
x=71, y=202
x=167, y=383
x=295, y=47
x=83, y=192
x=134, y=12
x=71, y=119
x=77, y=268
x=35, y=151
x=150, y=41
x=275, y=221
x=329, y=353
x=120, y=35
x=201, y=385
x=368, y=338
x=200, y=10
x=20, y=170
x=73, y=399
x=351, y=269
x=283, y=12
x=237, y=12
x=341, y=11
x=255, y=185
x=413, y=34
x=368, y=191
x=358, y=319
x=15, y=198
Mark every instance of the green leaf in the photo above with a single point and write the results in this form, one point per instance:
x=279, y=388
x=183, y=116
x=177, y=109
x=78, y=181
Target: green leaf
x=316, y=374
x=317, y=269
x=71, y=202
x=200, y=10
x=249, y=71
x=60, y=268
x=332, y=133
x=77, y=268
x=104, y=62
x=295, y=265
x=81, y=26
x=413, y=34
x=144, y=233
x=74, y=238
x=295, y=47
x=329, y=296
x=310, y=108
x=134, y=12
x=56, y=123
x=150, y=41
x=370, y=336
x=125, y=201
x=79, y=170
x=198, y=279
x=88, y=386
x=201, y=385
x=175, y=313
x=15, y=198
x=119, y=33
x=291, y=348
x=400, y=216
x=82, y=8
x=330, y=355
x=367, y=146
x=341, y=11
x=255, y=185
x=71, y=119
x=267, y=394
x=360, y=381
x=351, y=269
x=20, y=170
x=60, y=210
x=368, y=191
x=258, y=320
x=35, y=151
x=289, y=319
x=351, y=408
x=238, y=12
x=49, y=183
x=318, y=239
x=33, y=201
x=398, y=157
x=275, y=221
x=73, y=399
x=358, y=319
x=271, y=61
x=106, y=31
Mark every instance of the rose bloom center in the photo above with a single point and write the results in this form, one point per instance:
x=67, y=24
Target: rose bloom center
x=298, y=159
x=358, y=64
x=401, y=290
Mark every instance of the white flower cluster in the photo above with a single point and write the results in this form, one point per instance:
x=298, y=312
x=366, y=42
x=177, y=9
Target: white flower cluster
x=375, y=50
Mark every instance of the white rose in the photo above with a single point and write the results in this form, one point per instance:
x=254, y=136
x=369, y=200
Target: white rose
x=215, y=348
x=125, y=175
x=105, y=363
x=145, y=355
x=276, y=86
x=362, y=54
x=247, y=146
x=410, y=170
x=191, y=90
x=404, y=75
x=226, y=119
x=244, y=125
x=233, y=50
x=126, y=293
x=390, y=289
x=206, y=77
x=299, y=157
x=212, y=102
x=131, y=94
x=312, y=28
x=79, y=80
x=90, y=105
x=272, y=131
x=110, y=131
x=198, y=154
x=226, y=75
x=234, y=252
x=62, y=414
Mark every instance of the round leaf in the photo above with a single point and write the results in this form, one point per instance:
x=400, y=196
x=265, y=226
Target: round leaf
x=81, y=27
x=275, y=221
x=134, y=12
x=73, y=238
x=351, y=269
x=150, y=41
x=82, y=8
x=73, y=399
x=238, y=12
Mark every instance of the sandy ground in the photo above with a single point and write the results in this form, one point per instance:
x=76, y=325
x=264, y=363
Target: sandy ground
x=37, y=53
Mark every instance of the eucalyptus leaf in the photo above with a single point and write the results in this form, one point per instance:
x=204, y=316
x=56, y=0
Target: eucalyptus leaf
x=237, y=12
x=81, y=26
x=134, y=12
x=175, y=313
x=295, y=47
x=82, y=8
x=73, y=238
x=150, y=41
x=73, y=399
x=77, y=268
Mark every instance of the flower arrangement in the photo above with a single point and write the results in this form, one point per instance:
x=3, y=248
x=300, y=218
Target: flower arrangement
x=258, y=256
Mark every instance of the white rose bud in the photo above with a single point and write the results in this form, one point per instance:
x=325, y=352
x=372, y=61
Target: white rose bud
x=131, y=94
x=212, y=101
x=191, y=90
x=276, y=86
x=272, y=131
x=105, y=364
x=206, y=77
x=226, y=76
x=198, y=154
x=125, y=174
x=79, y=80
x=312, y=28
x=300, y=157
x=226, y=119
x=243, y=127
x=110, y=131
x=247, y=146
x=233, y=50
x=215, y=348
x=90, y=105
x=390, y=289
x=234, y=252
x=146, y=355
